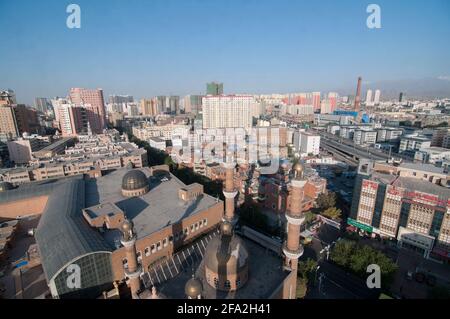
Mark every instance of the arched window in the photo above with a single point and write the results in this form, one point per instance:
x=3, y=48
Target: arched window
x=216, y=282
x=227, y=284
x=238, y=282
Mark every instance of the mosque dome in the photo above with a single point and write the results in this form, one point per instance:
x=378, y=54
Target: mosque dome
x=226, y=260
x=193, y=288
x=134, y=183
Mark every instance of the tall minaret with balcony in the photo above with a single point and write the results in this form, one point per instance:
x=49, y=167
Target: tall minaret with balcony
x=134, y=270
x=292, y=248
x=229, y=192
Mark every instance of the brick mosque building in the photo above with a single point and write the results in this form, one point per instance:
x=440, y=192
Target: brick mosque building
x=119, y=227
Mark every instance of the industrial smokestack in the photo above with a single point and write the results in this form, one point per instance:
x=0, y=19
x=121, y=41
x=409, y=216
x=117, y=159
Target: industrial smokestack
x=358, y=95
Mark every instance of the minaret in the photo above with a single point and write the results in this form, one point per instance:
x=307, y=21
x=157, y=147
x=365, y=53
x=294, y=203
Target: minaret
x=134, y=270
x=292, y=248
x=229, y=192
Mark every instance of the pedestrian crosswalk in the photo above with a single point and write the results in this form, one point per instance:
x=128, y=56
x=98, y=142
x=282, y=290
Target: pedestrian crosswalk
x=180, y=261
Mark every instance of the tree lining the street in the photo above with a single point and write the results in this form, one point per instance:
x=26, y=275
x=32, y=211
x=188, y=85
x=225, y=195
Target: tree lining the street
x=355, y=258
x=305, y=271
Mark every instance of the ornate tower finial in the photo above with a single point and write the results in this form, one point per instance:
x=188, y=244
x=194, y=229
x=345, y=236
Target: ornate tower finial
x=298, y=171
x=193, y=288
x=127, y=230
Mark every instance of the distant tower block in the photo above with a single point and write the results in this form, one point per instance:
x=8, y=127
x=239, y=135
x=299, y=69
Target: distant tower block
x=229, y=192
x=134, y=270
x=358, y=95
x=295, y=217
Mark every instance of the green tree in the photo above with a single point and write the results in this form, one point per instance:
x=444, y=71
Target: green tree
x=302, y=288
x=309, y=217
x=325, y=201
x=307, y=268
x=332, y=212
x=342, y=252
x=349, y=255
x=169, y=162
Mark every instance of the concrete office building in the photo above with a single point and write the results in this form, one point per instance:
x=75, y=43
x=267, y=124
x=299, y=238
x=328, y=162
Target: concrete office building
x=413, y=211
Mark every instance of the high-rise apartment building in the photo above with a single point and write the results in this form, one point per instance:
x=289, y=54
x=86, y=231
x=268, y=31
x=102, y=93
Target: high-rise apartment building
x=8, y=124
x=93, y=102
x=173, y=104
x=228, y=111
x=120, y=99
x=368, y=97
x=42, y=104
x=73, y=120
x=376, y=98
x=56, y=102
x=26, y=119
x=214, y=88
x=325, y=107
x=161, y=102
x=149, y=107
x=193, y=104
x=333, y=97
x=316, y=100
x=132, y=109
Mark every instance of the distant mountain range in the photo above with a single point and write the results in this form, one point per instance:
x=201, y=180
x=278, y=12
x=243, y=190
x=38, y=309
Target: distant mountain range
x=411, y=88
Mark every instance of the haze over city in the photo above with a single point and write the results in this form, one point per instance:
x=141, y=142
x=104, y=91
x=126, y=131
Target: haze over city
x=147, y=48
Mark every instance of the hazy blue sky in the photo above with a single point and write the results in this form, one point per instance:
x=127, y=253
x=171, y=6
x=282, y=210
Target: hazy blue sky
x=154, y=47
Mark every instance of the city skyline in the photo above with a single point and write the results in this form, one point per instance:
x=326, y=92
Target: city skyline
x=261, y=48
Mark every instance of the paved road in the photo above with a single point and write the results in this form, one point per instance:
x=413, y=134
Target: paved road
x=333, y=282
x=352, y=150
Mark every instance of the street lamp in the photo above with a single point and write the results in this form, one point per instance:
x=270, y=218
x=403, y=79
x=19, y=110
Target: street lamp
x=315, y=276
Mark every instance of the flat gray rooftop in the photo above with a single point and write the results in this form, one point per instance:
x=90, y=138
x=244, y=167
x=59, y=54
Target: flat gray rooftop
x=413, y=184
x=157, y=209
x=423, y=167
x=266, y=273
x=102, y=210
